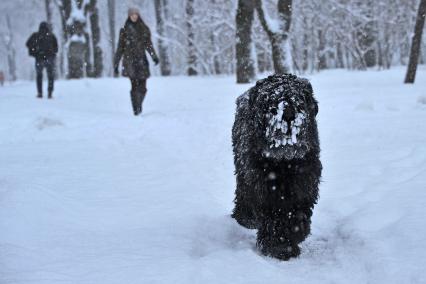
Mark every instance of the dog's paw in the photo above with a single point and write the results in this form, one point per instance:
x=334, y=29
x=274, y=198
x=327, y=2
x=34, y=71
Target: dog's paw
x=281, y=251
x=245, y=222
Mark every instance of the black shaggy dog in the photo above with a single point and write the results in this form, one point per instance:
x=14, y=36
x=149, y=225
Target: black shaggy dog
x=276, y=156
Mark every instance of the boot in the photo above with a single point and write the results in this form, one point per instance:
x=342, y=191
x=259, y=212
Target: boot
x=49, y=96
x=39, y=95
x=142, y=99
x=137, y=103
x=133, y=99
x=137, y=111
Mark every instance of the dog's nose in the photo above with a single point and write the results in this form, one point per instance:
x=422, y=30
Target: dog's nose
x=289, y=114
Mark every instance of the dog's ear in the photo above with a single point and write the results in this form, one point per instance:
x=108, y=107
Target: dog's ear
x=245, y=105
x=315, y=106
x=309, y=97
x=241, y=132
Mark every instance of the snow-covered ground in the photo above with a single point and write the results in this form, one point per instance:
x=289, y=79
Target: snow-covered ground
x=91, y=194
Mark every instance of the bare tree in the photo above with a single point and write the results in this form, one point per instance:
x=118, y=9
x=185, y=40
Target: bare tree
x=81, y=37
x=10, y=48
x=415, y=46
x=95, y=69
x=277, y=32
x=216, y=37
x=63, y=7
x=111, y=20
x=78, y=39
x=244, y=22
x=48, y=11
x=367, y=34
x=192, y=53
x=162, y=48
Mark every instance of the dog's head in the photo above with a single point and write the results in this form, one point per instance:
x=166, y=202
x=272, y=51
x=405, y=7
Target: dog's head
x=285, y=110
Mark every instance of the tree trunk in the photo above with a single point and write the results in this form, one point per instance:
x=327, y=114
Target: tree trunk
x=111, y=18
x=61, y=4
x=192, y=55
x=97, y=66
x=262, y=59
x=11, y=52
x=368, y=43
x=214, y=44
x=305, y=47
x=380, y=55
x=78, y=44
x=216, y=62
x=244, y=22
x=415, y=46
x=48, y=11
x=322, y=58
x=339, y=54
x=162, y=48
x=278, y=38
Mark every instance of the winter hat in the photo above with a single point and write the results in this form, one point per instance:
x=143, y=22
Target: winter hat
x=44, y=27
x=133, y=11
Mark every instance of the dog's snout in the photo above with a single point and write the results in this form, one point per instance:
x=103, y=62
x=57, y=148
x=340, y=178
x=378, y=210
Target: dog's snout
x=289, y=114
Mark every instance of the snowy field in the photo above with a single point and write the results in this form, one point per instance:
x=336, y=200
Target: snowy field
x=91, y=194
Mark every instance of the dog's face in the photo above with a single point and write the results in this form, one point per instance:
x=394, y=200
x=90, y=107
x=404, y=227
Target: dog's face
x=288, y=118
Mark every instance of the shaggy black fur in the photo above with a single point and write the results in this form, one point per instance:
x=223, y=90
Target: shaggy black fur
x=276, y=156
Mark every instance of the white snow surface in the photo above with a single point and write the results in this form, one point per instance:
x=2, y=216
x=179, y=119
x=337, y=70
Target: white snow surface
x=91, y=194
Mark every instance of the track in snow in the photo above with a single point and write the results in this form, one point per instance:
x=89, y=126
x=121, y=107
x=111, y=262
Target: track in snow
x=91, y=194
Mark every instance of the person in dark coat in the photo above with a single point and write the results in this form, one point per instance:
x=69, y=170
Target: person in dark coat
x=43, y=45
x=134, y=41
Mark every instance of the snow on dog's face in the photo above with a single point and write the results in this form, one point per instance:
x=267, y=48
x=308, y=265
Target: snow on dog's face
x=283, y=124
x=288, y=117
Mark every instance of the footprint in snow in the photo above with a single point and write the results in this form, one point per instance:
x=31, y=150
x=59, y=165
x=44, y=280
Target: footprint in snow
x=45, y=122
x=220, y=234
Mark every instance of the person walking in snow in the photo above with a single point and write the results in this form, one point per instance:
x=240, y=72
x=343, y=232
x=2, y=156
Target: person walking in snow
x=43, y=45
x=134, y=41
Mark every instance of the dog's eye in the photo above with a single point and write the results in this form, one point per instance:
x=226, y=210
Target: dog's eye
x=274, y=111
